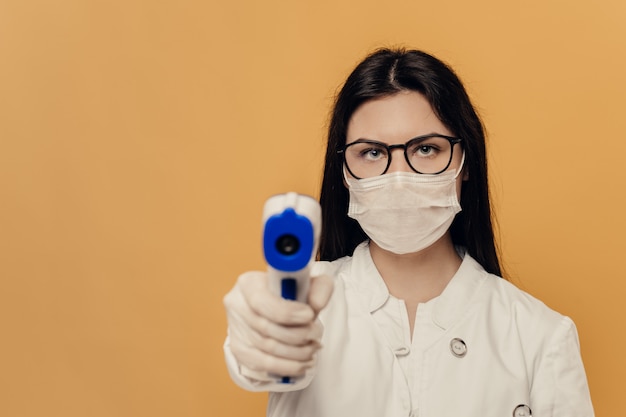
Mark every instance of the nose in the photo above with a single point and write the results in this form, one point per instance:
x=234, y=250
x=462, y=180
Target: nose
x=398, y=161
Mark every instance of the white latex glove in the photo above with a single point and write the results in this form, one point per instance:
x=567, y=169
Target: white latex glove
x=270, y=335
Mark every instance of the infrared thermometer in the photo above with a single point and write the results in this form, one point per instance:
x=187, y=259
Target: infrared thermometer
x=291, y=230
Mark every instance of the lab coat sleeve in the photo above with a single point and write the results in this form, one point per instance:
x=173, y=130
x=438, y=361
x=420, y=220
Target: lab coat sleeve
x=246, y=380
x=560, y=386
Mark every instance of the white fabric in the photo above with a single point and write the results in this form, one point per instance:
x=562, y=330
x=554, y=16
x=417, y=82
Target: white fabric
x=404, y=212
x=518, y=352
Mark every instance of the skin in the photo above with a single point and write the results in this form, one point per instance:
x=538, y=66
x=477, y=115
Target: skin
x=414, y=277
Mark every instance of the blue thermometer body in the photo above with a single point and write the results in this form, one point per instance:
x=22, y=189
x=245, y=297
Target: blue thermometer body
x=288, y=242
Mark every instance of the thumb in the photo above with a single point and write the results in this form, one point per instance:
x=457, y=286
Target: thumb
x=320, y=290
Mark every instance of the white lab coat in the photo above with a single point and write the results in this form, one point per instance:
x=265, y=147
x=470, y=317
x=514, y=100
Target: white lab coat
x=487, y=350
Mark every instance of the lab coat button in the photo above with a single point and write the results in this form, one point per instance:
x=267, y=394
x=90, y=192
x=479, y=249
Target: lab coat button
x=458, y=347
x=522, y=410
x=402, y=351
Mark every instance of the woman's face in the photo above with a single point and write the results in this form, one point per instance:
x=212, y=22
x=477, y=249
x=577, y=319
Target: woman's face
x=395, y=120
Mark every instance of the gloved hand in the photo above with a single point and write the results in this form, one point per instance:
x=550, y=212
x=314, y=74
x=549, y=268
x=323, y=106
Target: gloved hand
x=270, y=335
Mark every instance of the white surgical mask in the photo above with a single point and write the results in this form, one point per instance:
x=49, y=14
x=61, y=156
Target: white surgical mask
x=404, y=212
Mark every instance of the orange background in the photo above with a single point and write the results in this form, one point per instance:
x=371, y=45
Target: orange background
x=139, y=140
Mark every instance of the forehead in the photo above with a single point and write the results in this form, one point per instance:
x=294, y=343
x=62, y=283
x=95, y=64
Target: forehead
x=394, y=119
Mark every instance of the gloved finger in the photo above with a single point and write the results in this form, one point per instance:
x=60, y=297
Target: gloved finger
x=291, y=335
x=246, y=324
x=320, y=290
x=259, y=361
x=255, y=289
x=302, y=353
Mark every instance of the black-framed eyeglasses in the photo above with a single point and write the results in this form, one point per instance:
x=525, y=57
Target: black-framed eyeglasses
x=426, y=154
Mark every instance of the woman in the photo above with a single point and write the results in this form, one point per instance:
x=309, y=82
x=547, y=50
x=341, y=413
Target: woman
x=419, y=321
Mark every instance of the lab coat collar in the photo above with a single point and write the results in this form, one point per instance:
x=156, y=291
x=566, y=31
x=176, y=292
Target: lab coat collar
x=460, y=292
x=449, y=306
x=367, y=282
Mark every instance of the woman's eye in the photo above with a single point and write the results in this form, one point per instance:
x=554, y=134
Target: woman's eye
x=425, y=150
x=372, y=153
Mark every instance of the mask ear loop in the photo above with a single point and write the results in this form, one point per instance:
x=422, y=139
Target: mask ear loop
x=344, y=172
x=347, y=181
x=460, y=166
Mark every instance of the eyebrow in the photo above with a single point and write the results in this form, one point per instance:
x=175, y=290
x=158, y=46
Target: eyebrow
x=425, y=135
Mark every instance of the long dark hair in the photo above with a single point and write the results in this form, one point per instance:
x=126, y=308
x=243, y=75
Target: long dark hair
x=383, y=73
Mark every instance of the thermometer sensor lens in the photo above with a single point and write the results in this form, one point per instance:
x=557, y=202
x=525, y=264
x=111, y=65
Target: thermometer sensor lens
x=287, y=244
